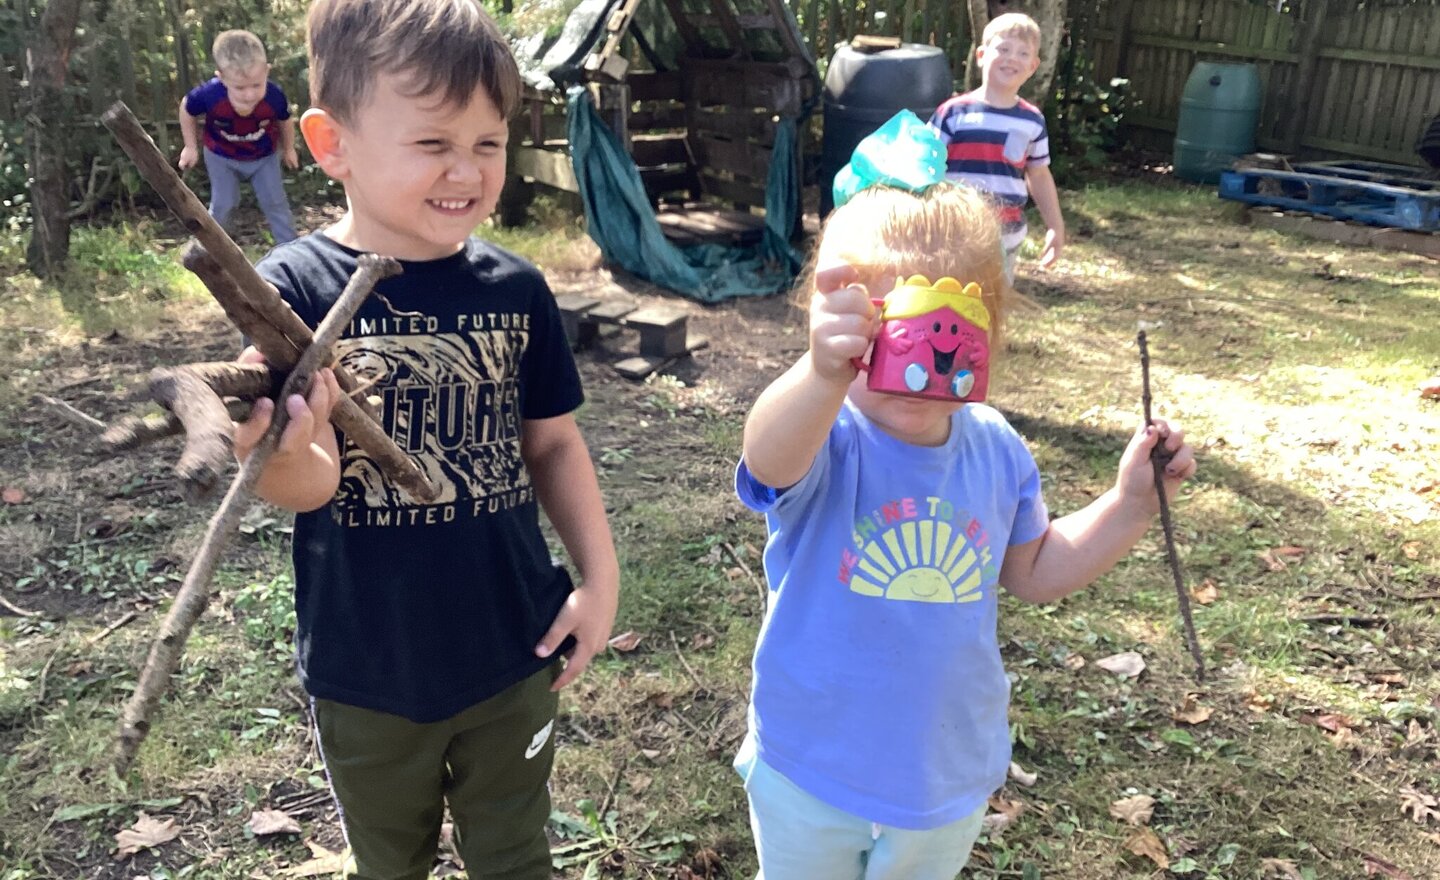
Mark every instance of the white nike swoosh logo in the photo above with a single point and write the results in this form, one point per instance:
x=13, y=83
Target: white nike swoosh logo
x=538, y=741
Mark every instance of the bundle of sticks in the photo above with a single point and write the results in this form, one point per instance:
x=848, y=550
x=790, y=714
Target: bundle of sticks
x=202, y=400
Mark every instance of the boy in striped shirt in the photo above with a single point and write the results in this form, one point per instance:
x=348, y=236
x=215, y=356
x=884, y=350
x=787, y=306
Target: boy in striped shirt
x=997, y=140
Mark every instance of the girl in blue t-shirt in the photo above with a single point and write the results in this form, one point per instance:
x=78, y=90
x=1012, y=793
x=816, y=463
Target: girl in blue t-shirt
x=878, y=724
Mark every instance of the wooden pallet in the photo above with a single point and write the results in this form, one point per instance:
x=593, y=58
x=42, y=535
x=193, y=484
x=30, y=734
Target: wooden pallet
x=664, y=335
x=699, y=224
x=1344, y=192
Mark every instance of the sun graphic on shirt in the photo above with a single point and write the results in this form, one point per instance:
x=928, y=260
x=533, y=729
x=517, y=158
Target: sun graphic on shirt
x=924, y=561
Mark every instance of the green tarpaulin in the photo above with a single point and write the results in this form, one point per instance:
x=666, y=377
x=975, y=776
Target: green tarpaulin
x=622, y=220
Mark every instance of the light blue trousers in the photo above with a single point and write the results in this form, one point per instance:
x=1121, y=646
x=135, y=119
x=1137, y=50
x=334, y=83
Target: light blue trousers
x=264, y=175
x=800, y=837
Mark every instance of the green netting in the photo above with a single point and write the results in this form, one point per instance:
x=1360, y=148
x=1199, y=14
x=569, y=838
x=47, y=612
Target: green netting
x=622, y=220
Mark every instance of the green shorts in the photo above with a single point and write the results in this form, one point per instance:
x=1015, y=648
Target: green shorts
x=491, y=763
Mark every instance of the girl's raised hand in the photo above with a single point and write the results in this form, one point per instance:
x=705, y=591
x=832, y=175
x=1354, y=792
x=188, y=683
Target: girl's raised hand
x=1136, y=480
x=842, y=322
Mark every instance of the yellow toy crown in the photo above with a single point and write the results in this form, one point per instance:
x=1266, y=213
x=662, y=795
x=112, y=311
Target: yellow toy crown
x=916, y=296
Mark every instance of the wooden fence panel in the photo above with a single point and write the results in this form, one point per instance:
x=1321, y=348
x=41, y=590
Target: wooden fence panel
x=1374, y=83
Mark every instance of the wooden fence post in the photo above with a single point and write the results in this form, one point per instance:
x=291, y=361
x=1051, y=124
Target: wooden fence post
x=1302, y=83
x=1124, y=12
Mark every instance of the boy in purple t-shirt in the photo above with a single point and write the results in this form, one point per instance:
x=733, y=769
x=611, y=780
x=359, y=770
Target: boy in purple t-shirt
x=246, y=118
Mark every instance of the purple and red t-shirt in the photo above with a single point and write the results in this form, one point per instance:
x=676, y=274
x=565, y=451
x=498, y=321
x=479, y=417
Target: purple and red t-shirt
x=990, y=148
x=227, y=133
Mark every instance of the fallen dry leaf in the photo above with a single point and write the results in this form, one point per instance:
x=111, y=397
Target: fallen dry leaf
x=1418, y=805
x=1135, y=810
x=1374, y=865
x=12, y=495
x=1259, y=703
x=625, y=642
x=1074, y=662
x=1144, y=843
x=1126, y=664
x=1019, y=774
x=1006, y=812
x=263, y=822
x=1411, y=549
x=1332, y=722
x=1282, y=868
x=1191, y=712
x=1205, y=594
x=1279, y=558
x=323, y=862
x=145, y=833
x=701, y=641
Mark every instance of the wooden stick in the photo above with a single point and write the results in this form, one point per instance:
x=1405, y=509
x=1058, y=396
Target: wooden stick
x=209, y=433
x=71, y=414
x=194, y=593
x=233, y=379
x=132, y=432
x=257, y=300
x=1158, y=459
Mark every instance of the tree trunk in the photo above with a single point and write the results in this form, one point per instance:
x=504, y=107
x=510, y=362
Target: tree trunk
x=1050, y=15
x=46, y=61
x=979, y=12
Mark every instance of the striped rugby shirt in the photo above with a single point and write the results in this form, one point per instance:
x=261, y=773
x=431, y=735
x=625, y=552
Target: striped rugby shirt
x=990, y=148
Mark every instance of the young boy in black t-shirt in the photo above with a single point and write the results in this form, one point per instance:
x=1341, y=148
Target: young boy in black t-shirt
x=428, y=634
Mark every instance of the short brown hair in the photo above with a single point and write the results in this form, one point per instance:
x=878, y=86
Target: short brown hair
x=948, y=230
x=444, y=48
x=237, y=51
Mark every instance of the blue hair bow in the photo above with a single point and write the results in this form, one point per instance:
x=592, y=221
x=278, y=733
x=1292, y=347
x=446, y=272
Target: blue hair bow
x=904, y=153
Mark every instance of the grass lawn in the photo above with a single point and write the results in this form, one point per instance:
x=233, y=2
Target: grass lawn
x=1310, y=542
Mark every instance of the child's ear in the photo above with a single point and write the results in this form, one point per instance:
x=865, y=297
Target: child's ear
x=325, y=139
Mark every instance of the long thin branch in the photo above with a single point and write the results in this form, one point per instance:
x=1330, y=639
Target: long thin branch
x=84, y=420
x=194, y=593
x=1158, y=460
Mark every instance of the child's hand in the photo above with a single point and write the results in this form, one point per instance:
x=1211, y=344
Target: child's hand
x=188, y=157
x=588, y=615
x=1136, y=480
x=842, y=322
x=291, y=159
x=309, y=415
x=1054, y=244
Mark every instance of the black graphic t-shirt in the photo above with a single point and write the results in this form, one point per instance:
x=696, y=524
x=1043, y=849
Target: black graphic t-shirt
x=424, y=609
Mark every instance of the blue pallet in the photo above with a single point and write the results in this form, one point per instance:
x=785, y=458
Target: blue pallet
x=1345, y=192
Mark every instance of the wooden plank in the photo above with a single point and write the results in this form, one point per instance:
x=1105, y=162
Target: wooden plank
x=610, y=312
x=641, y=366
x=670, y=116
x=659, y=182
x=753, y=89
x=738, y=157
x=694, y=45
x=649, y=86
x=575, y=302
x=739, y=192
x=651, y=150
x=743, y=123
x=730, y=26
x=547, y=167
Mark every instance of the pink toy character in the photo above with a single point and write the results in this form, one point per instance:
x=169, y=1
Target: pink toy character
x=934, y=341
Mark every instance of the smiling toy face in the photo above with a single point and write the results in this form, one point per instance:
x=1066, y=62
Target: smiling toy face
x=934, y=342
x=938, y=354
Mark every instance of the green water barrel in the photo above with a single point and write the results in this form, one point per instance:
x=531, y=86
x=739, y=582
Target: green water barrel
x=866, y=86
x=1219, y=111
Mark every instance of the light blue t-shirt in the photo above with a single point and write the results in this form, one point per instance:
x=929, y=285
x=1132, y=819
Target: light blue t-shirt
x=878, y=684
